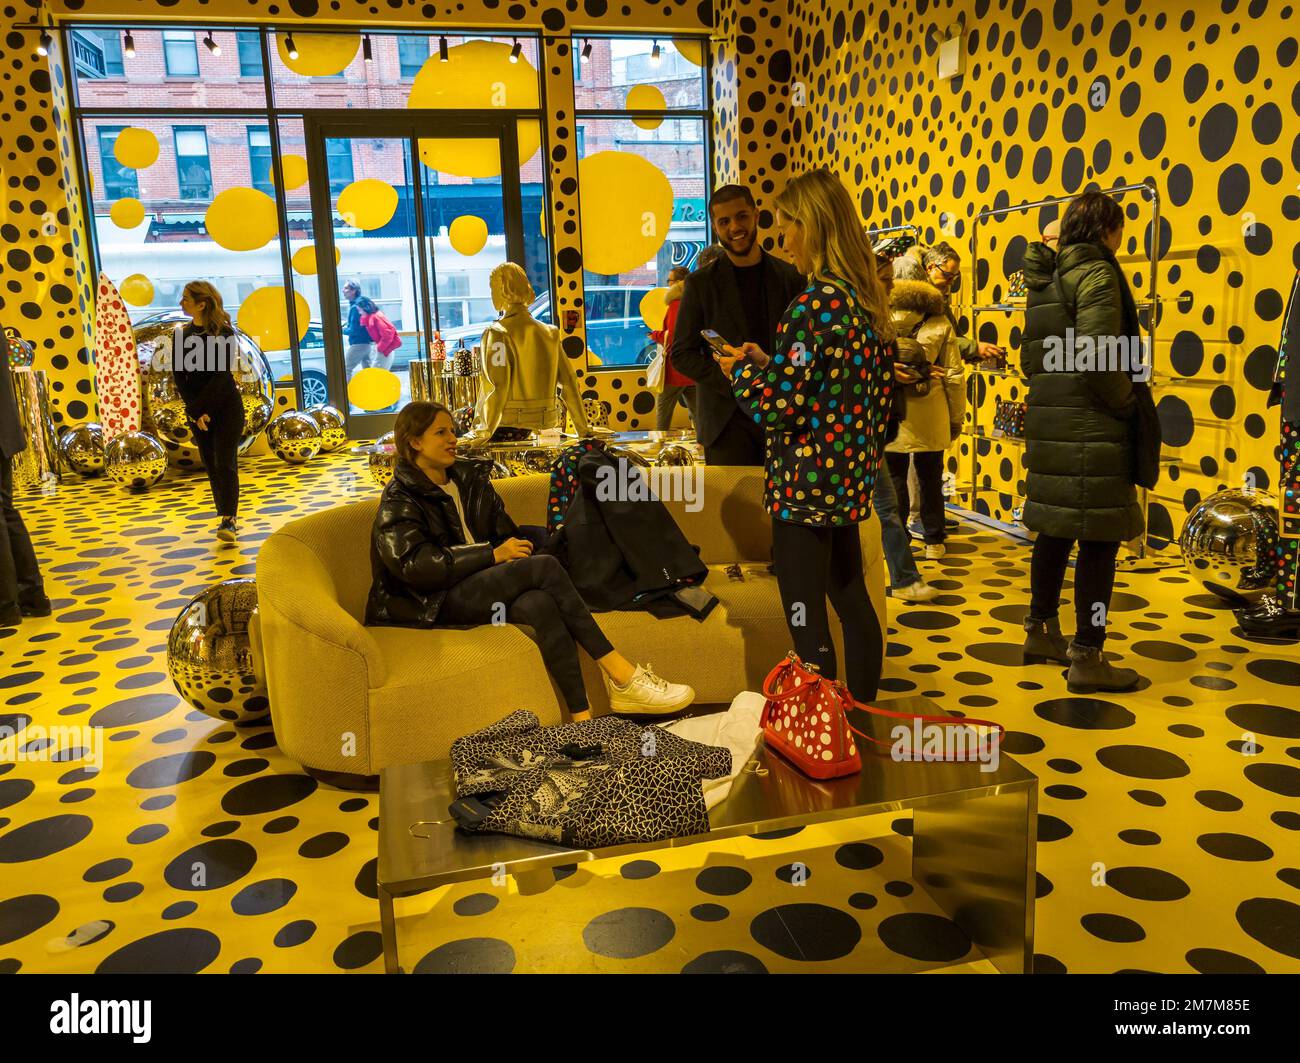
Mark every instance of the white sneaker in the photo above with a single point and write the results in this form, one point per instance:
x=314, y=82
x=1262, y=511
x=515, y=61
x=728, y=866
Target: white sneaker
x=920, y=591
x=648, y=695
x=934, y=551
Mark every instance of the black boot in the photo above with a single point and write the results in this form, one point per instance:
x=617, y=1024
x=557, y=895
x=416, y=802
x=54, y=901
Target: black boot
x=1090, y=672
x=1044, y=643
x=1270, y=618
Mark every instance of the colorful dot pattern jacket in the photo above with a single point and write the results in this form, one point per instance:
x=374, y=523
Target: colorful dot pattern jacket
x=823, y=403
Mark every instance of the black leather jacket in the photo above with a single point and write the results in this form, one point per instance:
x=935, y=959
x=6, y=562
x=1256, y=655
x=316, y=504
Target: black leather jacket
x=417, y=549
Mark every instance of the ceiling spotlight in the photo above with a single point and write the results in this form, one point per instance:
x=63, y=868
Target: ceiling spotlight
x=516, y=51
x=290, y=47
x=210, y=43
x=365, y=49
x=128, y=45
x=46, y=43
x=586, y=52
x=442, y=50
x=654, y=53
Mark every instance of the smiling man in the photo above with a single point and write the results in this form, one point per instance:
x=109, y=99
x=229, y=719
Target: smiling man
x=742, y=296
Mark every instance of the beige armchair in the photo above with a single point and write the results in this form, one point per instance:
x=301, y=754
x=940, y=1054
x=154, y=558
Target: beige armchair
x=351, y=699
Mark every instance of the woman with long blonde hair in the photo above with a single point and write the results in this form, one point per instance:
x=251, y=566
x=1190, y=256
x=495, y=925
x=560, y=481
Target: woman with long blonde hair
x=205, y=356
x=822, y=399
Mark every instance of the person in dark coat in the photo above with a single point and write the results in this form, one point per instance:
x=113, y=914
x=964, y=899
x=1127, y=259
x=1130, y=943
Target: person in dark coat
x=204, y=370
x=741, y=295
x=1079, y=450
x=444, y=551
x=22, y=591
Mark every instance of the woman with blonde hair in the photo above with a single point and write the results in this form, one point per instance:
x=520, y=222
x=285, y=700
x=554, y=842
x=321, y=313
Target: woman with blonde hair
x=205, y=356
x=823, y=399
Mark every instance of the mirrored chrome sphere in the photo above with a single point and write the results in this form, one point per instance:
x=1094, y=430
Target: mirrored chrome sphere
x=1227, y=541
x=500, y=471
x=675, y=454
x=379, y=462
x=209, y=655
x=82, y=447
x=597, y=414
x=333, y=428
x=163, y=412
x=294, y=437
x=135, y=460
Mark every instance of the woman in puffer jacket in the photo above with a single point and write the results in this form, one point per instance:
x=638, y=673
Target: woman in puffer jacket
x=677, y=387
x=933, y=420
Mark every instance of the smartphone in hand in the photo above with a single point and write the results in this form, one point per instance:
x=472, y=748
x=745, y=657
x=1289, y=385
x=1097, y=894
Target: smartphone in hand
x=715, y=340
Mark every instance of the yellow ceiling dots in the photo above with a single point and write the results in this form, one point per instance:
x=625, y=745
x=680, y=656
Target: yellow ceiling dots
x=264, y=316
x=320, y=55
x=136, y=148
x=367, y=204
x=691, y=49
x=478, y=75
x=304, y=259
x=136, y=289
x=374, y=389
x=295, y=171
x=646, y=98
x=468, y=234
x=127, y=213
x=242, y=219
x=627, y=205
x=654, y=307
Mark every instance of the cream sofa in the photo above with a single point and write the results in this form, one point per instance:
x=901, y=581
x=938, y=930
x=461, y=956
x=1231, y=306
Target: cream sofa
x=351, y=699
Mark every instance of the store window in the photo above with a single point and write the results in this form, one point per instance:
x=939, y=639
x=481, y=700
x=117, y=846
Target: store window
x=118, y=181
x=249, y=46
x=259, y=159
x=180, y=54
x=193, y=166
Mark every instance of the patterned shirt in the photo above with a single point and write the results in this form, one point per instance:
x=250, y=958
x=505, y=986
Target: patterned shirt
x=823, y=402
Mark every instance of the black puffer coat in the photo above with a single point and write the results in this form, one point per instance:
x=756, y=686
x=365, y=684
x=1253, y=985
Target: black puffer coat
x=1079, y=446
x=417, y=549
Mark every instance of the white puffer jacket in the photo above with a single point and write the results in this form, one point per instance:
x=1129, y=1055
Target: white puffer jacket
x=926, y=424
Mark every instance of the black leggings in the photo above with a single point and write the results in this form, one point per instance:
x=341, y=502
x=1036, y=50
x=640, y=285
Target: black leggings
x=219, y=448
x=815, y=563
x=929, y=474
x=535, y=591
x=1094, y=579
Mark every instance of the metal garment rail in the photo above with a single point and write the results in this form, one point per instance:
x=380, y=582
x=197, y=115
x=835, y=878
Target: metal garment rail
x=1151, y=304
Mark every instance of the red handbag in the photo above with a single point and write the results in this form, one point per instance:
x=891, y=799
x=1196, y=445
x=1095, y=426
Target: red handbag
x=805, y=719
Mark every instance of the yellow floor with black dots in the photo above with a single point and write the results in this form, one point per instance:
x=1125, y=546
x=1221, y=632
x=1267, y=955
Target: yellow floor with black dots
x=1167, y=829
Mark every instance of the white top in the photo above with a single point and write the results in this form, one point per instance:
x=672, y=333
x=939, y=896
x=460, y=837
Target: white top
x=451, y=489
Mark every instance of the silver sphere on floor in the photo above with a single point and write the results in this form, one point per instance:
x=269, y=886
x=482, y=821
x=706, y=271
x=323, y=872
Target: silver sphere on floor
x=333, y=427
x=1227, y=541
x=210, y=657
x=135, y=460
x=294, y=437
x=675, y=454
x=82, y=448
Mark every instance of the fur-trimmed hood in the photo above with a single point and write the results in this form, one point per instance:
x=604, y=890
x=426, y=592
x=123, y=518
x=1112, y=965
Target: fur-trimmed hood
x=675, y=291
x=917, y=297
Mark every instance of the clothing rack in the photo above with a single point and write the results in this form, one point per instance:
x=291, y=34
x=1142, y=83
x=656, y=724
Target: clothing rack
x=1138, y=548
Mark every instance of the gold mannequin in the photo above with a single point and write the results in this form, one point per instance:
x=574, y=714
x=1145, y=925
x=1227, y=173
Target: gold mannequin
x=522, y=366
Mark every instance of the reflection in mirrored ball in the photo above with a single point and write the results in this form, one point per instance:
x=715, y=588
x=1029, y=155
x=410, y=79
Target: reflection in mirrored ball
x=135, y=460
x=209, y=655
x=1227, y=541
x=500, y=471
x=380, y=461
x=82, y=448
x=333, y=428
x=294, y=437
x=675, y=454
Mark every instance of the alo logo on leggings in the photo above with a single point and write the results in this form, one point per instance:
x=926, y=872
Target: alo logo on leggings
x=625, y=482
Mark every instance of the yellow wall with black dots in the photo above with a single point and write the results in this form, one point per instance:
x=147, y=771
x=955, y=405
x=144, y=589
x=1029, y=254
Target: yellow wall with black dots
x=1202, y=99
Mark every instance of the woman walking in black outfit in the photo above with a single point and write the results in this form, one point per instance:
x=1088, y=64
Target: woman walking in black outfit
x=823, y=400
x=444, y=551
x=204, y=362
x=1079, y=446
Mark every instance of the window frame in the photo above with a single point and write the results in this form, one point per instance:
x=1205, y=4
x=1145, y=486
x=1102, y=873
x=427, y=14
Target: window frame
x=207, y=159
x=241, y=41
x=178, y=37
x=106, y=155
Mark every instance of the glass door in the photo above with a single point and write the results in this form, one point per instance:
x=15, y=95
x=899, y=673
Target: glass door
x=410, y=217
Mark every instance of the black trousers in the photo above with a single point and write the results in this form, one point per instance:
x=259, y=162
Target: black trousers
x=929, y=474
x=739, y=443
x=813, y=564
x=535, y=591
x=219, y=448
x=20, y=576
x=1094, y=580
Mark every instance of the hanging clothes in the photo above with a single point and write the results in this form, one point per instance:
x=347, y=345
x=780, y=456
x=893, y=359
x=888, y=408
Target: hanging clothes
x=608, y=781
x=1286, y=393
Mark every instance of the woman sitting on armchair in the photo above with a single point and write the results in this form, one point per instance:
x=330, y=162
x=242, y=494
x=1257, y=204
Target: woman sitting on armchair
x=444, y=552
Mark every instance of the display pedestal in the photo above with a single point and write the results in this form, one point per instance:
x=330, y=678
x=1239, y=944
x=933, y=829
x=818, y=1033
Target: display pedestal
x=38, y=463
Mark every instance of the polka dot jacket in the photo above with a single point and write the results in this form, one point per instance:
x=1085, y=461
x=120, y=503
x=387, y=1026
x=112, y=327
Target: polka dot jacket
x=823, y=403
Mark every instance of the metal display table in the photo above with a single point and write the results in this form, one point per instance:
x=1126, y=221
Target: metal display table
x=974, y=841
